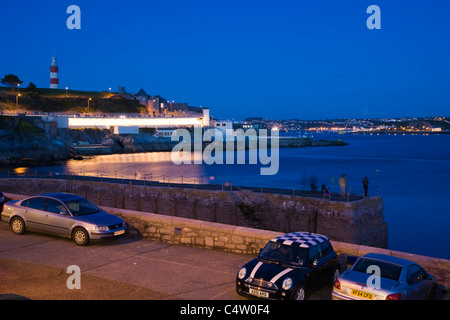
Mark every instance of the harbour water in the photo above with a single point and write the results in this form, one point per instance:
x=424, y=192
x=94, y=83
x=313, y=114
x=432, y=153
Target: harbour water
x=410, y=172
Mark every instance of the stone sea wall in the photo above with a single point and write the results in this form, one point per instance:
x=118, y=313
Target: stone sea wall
x=357, y=222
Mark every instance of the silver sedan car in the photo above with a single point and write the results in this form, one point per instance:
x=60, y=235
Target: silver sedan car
x=62, y=214
x=383, y=277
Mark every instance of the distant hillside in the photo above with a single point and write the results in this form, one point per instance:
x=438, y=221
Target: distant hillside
x=60, y=100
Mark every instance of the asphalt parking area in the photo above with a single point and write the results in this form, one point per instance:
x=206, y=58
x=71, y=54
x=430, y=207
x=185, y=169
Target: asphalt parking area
x=34, y=266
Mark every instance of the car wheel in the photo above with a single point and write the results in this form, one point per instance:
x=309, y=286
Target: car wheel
x=300, y=294
x=80, y=236
x=17, y=225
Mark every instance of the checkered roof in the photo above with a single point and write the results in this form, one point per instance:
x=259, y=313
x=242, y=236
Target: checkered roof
x=301, y=239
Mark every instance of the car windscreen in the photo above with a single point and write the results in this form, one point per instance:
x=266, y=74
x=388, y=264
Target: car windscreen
x=81, y=207
x=388, y=270
x=283, y=253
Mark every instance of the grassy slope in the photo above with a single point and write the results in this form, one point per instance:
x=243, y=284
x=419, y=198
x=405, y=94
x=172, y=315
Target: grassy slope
x=60, y=100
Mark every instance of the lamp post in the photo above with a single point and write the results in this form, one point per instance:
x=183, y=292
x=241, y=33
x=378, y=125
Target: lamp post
x=17, y=97
x=88, y=103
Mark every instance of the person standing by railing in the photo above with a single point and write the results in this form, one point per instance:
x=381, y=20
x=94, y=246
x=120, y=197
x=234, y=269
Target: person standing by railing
x=342, y=183
x=365, y=183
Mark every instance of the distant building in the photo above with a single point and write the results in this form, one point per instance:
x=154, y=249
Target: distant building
x=157, y=106
x=126, y=130
x=178, y=106
x=122, y=92
x=154, y=106
x=73, y=122
x=224, y=126
x=143, y=97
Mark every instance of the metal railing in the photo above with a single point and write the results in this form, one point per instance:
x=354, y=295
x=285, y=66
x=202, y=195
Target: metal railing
x=215, y=183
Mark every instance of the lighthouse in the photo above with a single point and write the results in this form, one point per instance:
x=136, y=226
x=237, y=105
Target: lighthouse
x=54, y=81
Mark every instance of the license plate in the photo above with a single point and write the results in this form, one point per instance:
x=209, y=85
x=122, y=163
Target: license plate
x=118, y=233
x=258, y=293
x=362, y=294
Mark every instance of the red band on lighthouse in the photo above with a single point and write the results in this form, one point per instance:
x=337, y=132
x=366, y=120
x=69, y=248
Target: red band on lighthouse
x=54, y=81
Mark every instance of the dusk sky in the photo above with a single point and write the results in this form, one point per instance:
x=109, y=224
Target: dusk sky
x=273, y=59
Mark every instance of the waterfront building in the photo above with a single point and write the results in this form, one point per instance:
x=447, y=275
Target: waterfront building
x=225, y=126
x=108, y=122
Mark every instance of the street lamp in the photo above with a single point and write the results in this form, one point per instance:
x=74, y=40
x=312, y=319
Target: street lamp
x=17, y=97
x=88, y=103
x=17, y=101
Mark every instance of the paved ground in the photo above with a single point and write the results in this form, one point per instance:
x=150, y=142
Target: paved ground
x=34, y=266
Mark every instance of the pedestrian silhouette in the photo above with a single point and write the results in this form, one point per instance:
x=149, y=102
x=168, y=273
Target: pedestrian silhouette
x=365, y=183
x=342, y=183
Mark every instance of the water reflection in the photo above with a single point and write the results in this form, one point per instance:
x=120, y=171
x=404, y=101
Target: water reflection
x=20, y=170
x=156, y=166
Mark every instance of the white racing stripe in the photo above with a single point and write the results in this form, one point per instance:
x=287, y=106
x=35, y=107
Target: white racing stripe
x=282, y=273
x=278, y=276
x=252, y=275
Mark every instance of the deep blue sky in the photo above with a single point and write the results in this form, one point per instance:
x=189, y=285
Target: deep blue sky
x=275, y=59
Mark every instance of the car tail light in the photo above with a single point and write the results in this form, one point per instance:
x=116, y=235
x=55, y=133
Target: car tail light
x=394, y=296
x=337, y=284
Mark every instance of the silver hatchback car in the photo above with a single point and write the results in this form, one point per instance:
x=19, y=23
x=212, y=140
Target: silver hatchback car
x=62, y=214
x=397, y=279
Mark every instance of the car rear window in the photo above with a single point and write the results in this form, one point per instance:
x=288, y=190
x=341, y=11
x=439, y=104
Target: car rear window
x=37, y=203
x=388, y=270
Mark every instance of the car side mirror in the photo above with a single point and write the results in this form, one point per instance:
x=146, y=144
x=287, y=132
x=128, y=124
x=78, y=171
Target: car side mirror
x=314, y=263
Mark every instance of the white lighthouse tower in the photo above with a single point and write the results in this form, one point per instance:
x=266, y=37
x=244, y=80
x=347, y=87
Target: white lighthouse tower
x=54, y=81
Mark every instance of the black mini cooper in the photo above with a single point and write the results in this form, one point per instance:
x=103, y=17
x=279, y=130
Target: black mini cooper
x=289, y=267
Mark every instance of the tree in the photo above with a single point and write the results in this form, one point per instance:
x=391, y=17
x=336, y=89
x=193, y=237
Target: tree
x=11, y=80
x=32, y=87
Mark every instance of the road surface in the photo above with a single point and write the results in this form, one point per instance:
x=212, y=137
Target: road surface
x=34, y=266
